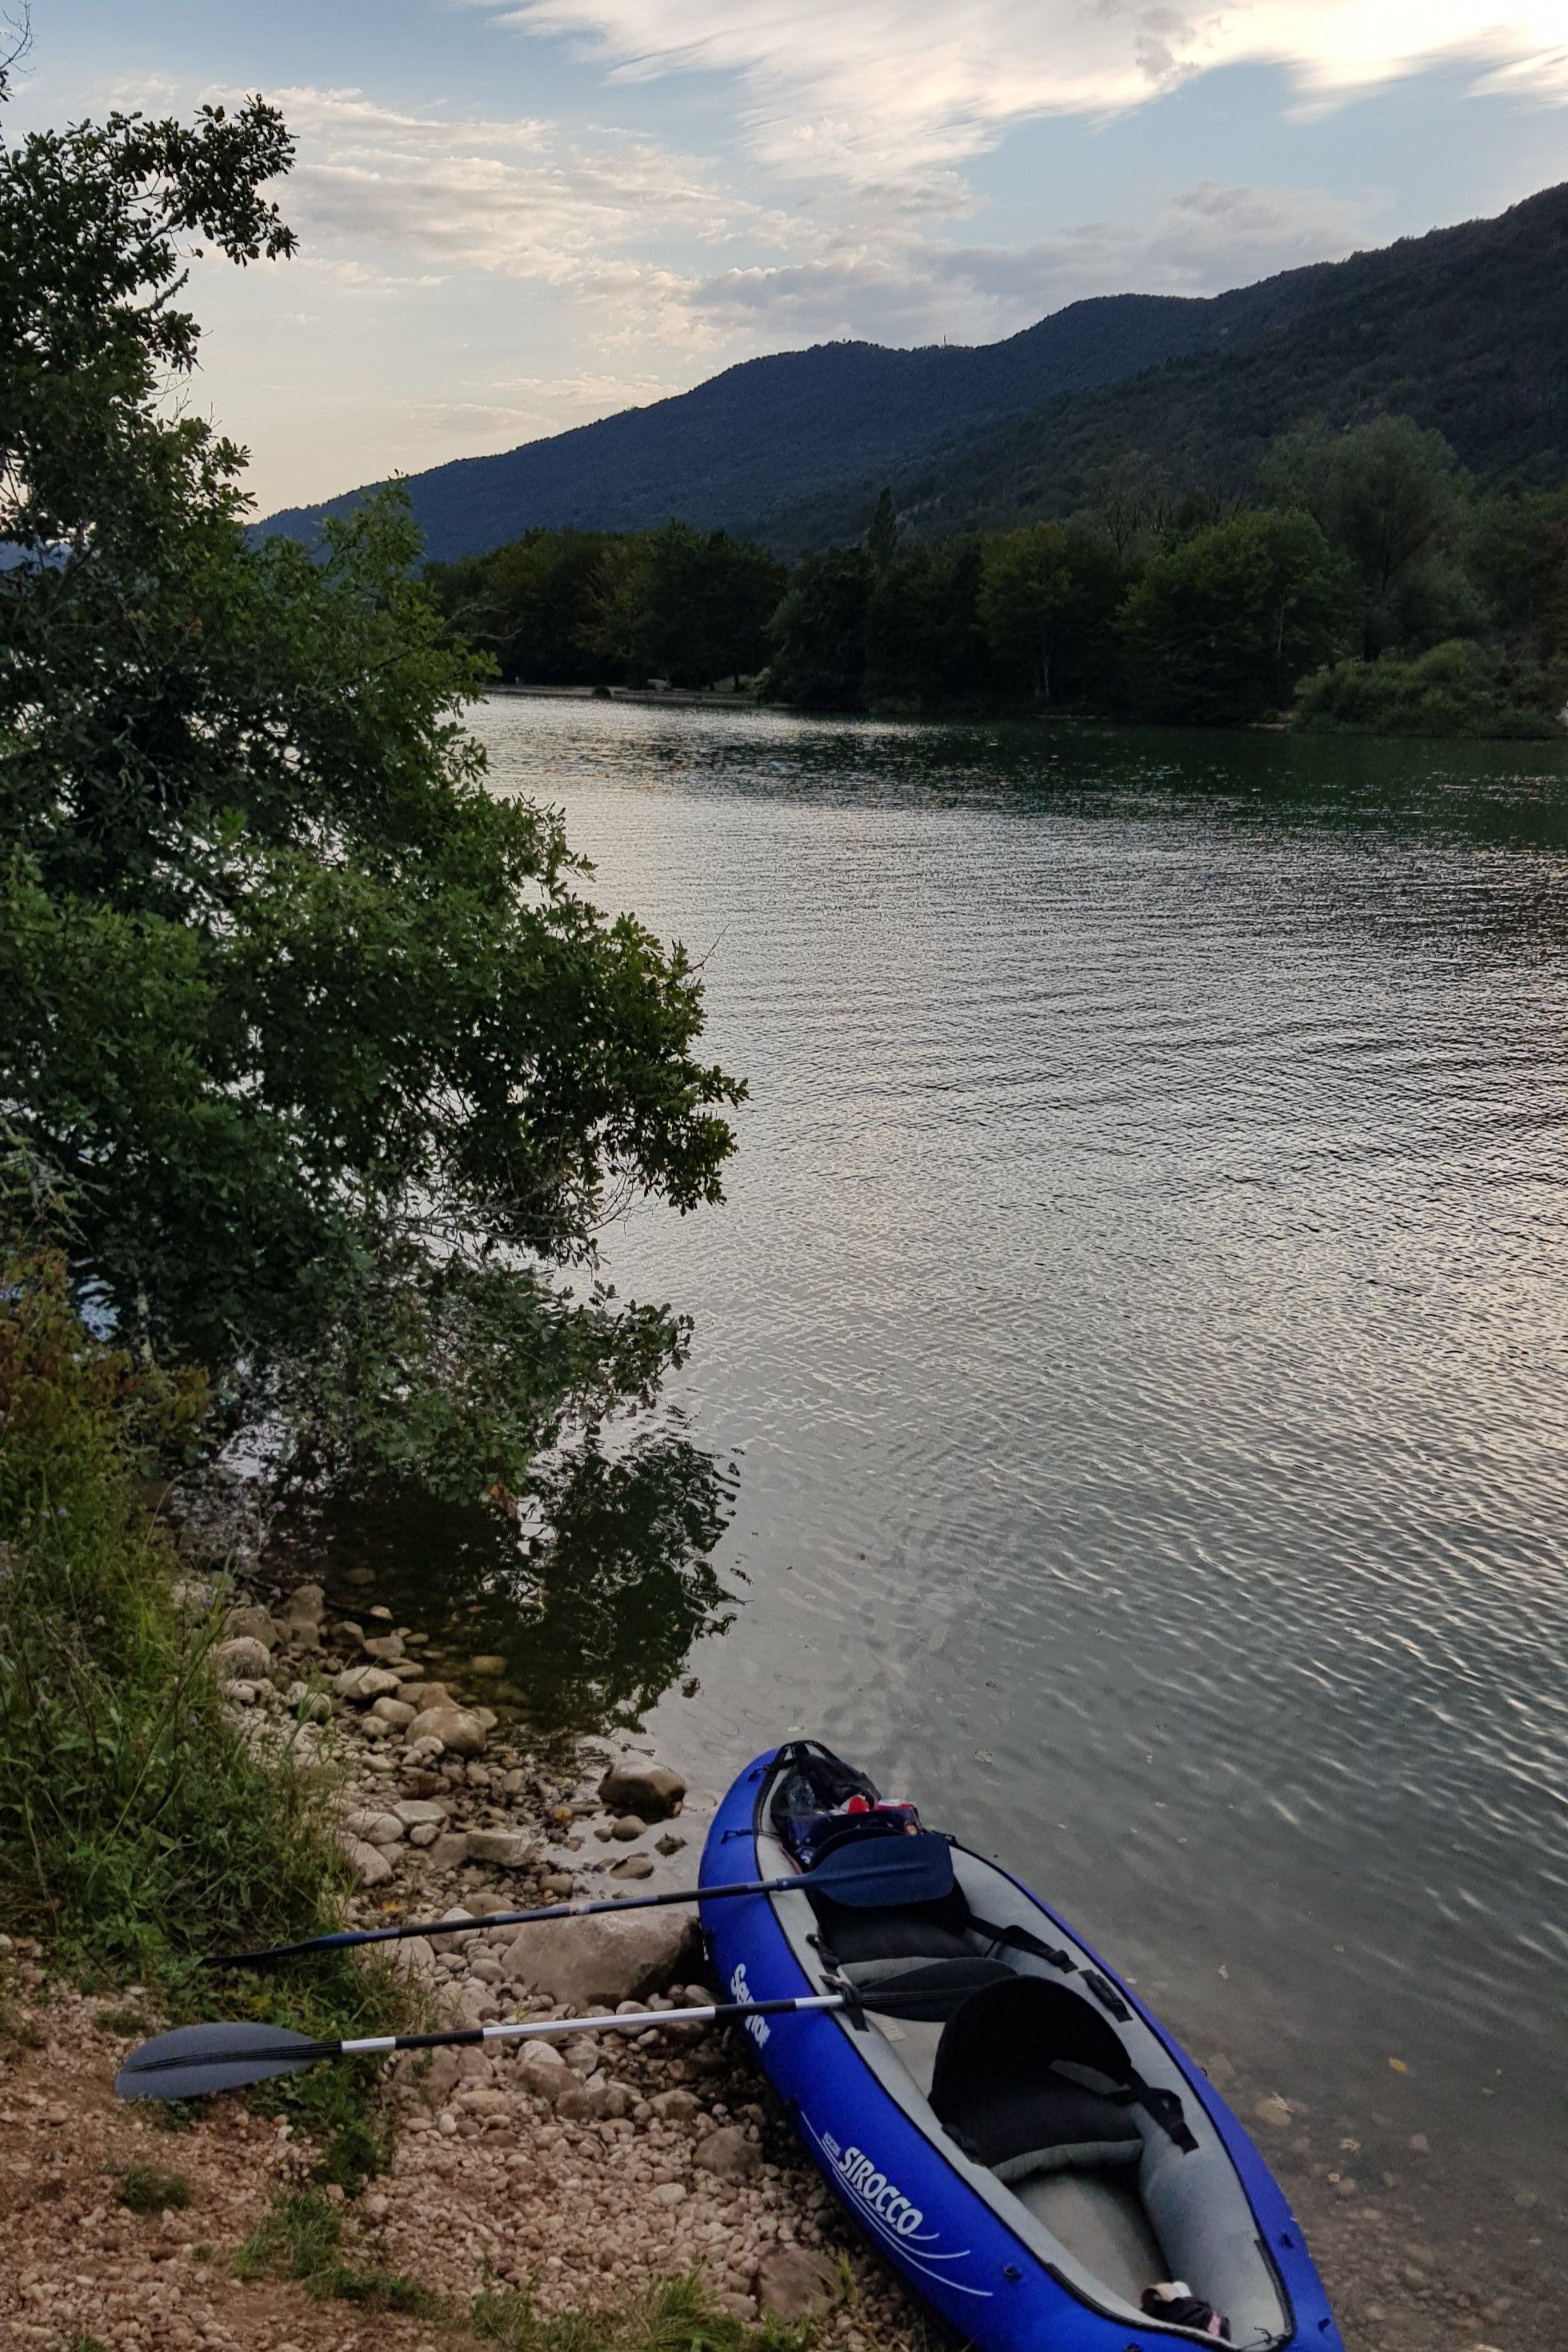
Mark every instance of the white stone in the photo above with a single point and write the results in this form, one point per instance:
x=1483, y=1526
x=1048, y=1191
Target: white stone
x=414, y=1811
x=369, y=1864
x=506, y=1849
x=361, y=1683
x=375, y=1826
x=459, y=1732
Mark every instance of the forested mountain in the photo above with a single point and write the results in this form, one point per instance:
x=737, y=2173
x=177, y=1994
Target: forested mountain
x=769, y=432
x=1466, y=329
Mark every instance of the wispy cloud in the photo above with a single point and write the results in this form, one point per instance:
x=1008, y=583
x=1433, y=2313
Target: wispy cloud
x=516, y=198
x=898, y=95
x=910, y=289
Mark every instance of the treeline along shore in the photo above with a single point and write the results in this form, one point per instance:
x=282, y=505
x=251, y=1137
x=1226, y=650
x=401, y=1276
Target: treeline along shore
x=1364, y=584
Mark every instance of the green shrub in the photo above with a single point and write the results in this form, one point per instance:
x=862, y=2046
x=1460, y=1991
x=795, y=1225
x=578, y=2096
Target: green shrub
x=146, y=2192
x=139, y=1832
x=136, y=1826
x=1461, y=688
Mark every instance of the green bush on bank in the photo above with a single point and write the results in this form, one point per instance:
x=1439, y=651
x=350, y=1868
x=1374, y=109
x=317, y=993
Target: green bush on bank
x=140, y=1833
x=1456, y=688
x=135, y=1824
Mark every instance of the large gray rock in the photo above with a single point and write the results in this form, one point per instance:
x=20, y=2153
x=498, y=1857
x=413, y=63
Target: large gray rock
x=600, y=1961
x=306, y=1605
x=634, y=1785
x=361, y=1683
x=386, y=1648
x=460, y=1733
x=795, y=2283
x=243, y=1658
x=394, y=1711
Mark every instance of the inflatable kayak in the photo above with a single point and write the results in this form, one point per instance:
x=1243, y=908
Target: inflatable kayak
x=994, y=2109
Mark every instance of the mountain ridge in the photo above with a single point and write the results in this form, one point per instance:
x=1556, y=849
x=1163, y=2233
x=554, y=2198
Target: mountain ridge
x=791, y=445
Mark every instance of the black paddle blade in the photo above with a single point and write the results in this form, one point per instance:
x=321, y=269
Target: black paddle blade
x=876, y=1870
x=197, y=2059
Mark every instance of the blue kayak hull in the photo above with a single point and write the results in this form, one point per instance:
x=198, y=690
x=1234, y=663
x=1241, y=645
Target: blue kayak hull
x=895, y=2182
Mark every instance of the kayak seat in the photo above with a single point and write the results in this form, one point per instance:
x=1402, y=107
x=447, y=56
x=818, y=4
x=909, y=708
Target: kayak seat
x=894, y=1931
x=1015, y=2083
x=926, y=1992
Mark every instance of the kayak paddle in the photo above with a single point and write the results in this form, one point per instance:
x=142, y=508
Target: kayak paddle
x=194, y=2060
x=917, y=1869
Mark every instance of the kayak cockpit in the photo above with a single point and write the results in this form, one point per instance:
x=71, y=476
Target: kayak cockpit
x=1054, y=2102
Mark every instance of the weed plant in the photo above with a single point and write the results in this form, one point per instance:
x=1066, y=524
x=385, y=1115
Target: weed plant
x=146, y=2192
x=140, y=1833
x=301, y=2239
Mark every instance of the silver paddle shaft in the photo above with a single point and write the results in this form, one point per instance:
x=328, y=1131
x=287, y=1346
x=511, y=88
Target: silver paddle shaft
x=536, y=2029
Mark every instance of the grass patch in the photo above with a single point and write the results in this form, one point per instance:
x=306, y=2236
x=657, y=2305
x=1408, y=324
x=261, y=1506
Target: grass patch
x=301, y=2239
x=139, y=1830
x=678, y=2315
x=124, y=2022
x=146, y=2192
x=81, y=2342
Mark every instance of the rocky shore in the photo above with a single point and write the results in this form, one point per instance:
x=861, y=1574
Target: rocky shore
x=579, y=2171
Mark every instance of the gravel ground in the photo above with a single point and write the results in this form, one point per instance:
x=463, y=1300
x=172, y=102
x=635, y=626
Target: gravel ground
x=582, y=2174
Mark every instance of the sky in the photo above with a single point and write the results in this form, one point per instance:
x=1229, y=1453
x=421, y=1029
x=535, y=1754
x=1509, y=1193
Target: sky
x=517, y=216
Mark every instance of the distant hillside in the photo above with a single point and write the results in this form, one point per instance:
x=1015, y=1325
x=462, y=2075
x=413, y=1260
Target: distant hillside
x=1466, y=328
x=770, y=432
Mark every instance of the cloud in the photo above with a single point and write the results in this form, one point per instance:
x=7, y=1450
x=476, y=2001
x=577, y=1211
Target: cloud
x=896, y=95
x=1204, y=239
x=513, y=198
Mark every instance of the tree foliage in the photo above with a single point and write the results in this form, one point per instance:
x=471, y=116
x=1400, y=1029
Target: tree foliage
x=330, y=1054
x=1220, y=628
x=572, y=608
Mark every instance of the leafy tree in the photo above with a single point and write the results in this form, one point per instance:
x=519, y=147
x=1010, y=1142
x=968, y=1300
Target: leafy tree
x=1221, y=627
x=332, y=1060
x=1128, y=502
x=682, y=604
x=1387, y=495
x=1519, y=557
x=1048, y=601
x=818, y=632
x=530, y=604
x=882, y=535
x=925, y=646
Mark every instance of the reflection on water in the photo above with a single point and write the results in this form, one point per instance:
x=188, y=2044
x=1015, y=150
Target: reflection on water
x=1138, y=1318
x=591, y=1615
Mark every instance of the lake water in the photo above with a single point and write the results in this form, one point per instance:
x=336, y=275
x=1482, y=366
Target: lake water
x=1139, y=1321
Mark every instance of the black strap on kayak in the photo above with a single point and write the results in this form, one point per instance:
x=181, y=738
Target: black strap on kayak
x=1015, y=1938
x=1163, y=2108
